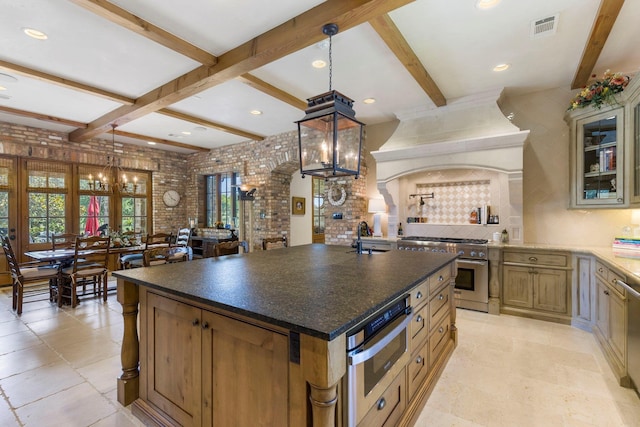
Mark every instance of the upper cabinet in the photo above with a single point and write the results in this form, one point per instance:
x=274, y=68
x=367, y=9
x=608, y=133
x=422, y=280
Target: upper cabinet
x=605, y=152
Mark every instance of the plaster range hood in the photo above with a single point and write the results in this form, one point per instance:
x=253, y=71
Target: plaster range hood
x=468, y=133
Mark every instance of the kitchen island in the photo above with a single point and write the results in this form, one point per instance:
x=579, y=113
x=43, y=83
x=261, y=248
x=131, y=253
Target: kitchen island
x=259, y=339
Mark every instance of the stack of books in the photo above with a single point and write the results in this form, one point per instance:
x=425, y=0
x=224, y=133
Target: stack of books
x=627, y=247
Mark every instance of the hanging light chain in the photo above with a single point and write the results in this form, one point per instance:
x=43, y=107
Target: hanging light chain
x=330, y=62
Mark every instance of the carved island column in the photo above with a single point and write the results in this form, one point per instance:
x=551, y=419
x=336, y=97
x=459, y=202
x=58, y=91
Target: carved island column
x=323, y=364
x=128, y=297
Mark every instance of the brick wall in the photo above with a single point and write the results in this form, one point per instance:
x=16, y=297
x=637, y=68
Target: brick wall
x=266, y=165
x=169, y=171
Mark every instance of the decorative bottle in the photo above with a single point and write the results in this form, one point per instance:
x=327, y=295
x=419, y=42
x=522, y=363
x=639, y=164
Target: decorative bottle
x=400, y=232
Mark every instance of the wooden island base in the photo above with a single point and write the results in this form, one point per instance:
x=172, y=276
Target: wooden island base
x=198, y=364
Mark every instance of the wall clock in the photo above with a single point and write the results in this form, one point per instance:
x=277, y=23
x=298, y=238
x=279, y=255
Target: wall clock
x=337, y=195
x=171, y=198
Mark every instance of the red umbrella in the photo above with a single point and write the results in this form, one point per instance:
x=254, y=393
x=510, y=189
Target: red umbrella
x=93, y=210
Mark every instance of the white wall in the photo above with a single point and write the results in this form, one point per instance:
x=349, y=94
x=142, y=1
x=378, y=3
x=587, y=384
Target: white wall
x=301, y=224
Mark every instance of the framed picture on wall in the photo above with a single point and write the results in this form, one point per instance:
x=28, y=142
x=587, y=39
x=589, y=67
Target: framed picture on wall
x=297, y=205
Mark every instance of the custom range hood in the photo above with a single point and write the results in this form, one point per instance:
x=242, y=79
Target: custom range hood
x=468, y=133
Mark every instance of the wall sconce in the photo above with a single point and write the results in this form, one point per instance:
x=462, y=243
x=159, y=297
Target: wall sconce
x=377, y=207
x=248, y=195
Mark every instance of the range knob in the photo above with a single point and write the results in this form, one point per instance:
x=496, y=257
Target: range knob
x=460, y=252
x=473, y=253
x=443, y=250
x=434, y=250
x=481, y=254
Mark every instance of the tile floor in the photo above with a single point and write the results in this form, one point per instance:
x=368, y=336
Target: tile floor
x=58, y=368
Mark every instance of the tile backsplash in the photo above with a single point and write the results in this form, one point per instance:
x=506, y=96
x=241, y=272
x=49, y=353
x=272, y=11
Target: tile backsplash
x=452, y=202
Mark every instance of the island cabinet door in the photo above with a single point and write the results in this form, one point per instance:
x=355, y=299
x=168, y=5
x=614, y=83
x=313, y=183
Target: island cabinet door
x=245, y=374
x=173, y=357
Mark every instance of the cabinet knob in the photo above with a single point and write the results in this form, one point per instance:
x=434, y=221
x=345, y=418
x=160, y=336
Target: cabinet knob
x=419, y=319
x=440, y=297
x=195, y=322
x=606, y=292
x=205, y=325
x=440, y=278
x=533, y=259
x=381, y=404
x=440, y=329
x=419, y=360
x=419, y=295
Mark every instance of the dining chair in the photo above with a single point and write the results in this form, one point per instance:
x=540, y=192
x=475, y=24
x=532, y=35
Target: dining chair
x=274, y=242
x=226, y=248
x=28, y=277
x=151, y=241
x=64, y=241
x=90, y=263
x=163, y=255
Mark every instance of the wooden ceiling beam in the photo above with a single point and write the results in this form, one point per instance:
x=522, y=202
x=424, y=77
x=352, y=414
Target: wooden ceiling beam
x=146, y=29
x=606, y=18
x=43, y=117
x=291, y=36
x=264, y=87
x=161, y=141
x=69, y=84
x=388, y=31
x=210, y=124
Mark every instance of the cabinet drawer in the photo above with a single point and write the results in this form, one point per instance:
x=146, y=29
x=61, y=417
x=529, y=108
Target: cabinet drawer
x=438, y=278
x=439, y=305
x=389, y=408
x=611, y=277
x=418, y=368
x=535, y=258
x=438, y=339
x=419, y=294
x=419, y=329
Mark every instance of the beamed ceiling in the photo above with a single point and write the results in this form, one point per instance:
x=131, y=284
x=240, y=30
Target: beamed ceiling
x=187, y=75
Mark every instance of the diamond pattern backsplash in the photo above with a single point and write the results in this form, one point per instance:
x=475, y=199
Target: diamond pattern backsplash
x=453, y=201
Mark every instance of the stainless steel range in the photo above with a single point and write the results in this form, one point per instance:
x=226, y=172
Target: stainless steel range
x=472, y=282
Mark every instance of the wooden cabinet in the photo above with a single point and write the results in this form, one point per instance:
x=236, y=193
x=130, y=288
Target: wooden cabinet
x=190, y=354
x=537, y=284
x=430, y=330
x=605, y=166
x=390, y=406
x=610, y=327
x=583, y=291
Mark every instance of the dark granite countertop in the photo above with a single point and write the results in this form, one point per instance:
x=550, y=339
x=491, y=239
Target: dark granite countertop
x=318, y=290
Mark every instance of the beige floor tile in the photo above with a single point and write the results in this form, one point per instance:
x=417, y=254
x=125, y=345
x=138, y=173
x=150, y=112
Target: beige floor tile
x=11, y=327
x=88, y=350
x=118, y=419
x=24, y=360
x=18, y=341
x=7, y=417
x=37, y=383
x=78, y=406
x=102, y=374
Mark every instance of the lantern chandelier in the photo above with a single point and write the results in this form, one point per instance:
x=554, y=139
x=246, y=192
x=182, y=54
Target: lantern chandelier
x=329, y=136
x=112, y=178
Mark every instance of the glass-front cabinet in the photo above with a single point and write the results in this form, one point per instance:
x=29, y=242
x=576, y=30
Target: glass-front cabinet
x=599, y=165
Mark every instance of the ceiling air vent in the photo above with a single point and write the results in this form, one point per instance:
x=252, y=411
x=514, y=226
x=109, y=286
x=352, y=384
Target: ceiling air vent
x=544, y=27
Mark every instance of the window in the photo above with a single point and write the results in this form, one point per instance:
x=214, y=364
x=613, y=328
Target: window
x=221, y=199
x=318, y=210
x=6, y=171
x=47, y=199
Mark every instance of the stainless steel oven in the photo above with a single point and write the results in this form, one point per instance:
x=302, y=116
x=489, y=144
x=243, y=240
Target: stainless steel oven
x=472, y=285
x=376, y=352
x=472, y=282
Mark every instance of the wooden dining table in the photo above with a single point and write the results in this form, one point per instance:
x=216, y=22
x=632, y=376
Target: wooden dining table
x=61, y=255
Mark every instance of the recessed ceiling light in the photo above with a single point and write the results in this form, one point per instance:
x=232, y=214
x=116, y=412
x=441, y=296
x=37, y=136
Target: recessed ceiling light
x=151, y=143
x=369, y=100
x=486, y=4
x=199, y=129
x=3, y=88
x=185, y=132
x=501, y=67
x=256, y=112
x=318, y=63
x=36, y=34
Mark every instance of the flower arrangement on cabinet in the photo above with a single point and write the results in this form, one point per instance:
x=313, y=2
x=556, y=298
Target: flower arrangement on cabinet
x=600, y=91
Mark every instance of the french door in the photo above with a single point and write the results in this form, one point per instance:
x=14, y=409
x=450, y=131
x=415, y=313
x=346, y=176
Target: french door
x=8, y=211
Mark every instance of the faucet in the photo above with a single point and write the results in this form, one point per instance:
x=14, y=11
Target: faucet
x=359, y=241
